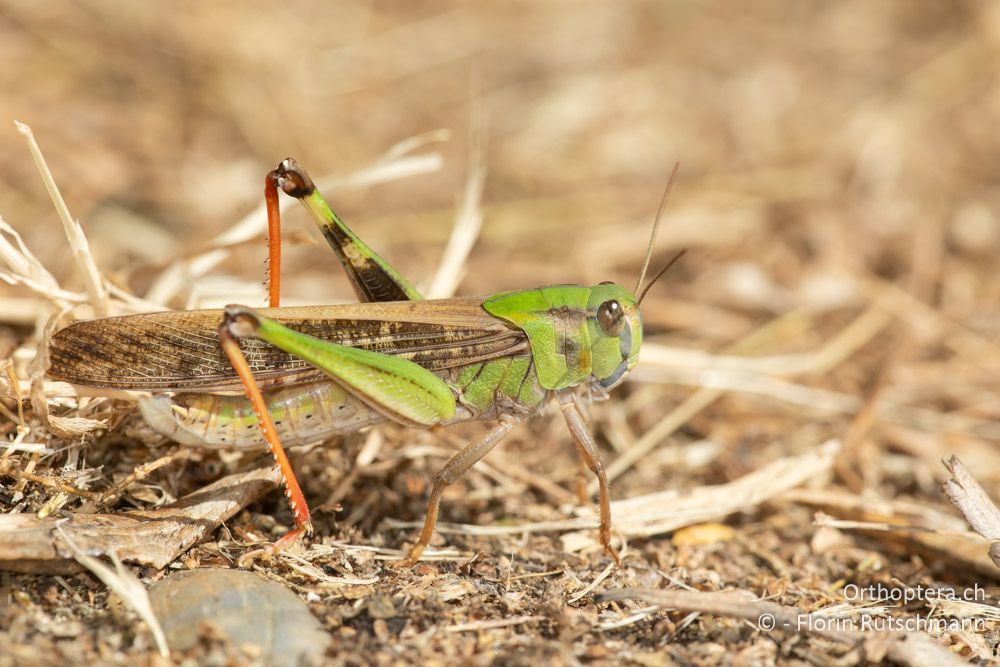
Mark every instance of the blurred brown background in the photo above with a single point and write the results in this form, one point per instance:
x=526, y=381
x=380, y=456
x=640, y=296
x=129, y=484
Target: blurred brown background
x=811, y=135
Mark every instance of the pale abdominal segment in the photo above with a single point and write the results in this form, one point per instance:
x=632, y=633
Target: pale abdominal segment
x=302, y=414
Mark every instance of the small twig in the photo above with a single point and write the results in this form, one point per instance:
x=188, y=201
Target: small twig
x=51, y=482
x=974, y=503
x=823, y=521
x=140, y=473
x=306, y=568
x=637, y=616
x=25, y=447
x=494, y=624
x=535, y=575
x=592, y=585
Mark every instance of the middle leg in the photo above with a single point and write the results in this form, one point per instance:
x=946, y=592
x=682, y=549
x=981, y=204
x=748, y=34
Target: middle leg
x=456, y=466
x=587, y=448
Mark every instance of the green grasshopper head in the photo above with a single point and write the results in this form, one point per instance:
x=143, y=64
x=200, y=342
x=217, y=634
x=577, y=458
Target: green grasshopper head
x=575, y=332
x=615, y=333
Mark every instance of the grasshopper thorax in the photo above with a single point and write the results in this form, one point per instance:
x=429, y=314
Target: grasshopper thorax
x=575, y=332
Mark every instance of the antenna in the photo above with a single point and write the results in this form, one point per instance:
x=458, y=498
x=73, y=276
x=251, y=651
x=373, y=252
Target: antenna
x=656, y=227
x=659, y=274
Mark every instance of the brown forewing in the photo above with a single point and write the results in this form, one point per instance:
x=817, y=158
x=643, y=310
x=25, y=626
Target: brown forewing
x=179, y=350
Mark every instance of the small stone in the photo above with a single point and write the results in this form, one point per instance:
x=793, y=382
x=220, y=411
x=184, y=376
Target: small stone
x=242, y=607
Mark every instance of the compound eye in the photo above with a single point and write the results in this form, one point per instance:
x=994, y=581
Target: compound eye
x=611, y=317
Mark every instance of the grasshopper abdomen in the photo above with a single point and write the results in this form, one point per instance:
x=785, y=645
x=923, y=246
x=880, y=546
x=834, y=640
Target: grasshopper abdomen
x=303, y=414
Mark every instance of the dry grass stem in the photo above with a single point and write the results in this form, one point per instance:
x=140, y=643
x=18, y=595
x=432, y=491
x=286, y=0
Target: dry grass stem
x=74, y=233
x=125, y=584
x=468, y=222
x=479, y=626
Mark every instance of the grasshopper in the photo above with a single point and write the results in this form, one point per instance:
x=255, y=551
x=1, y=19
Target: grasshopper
x=243, y=377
